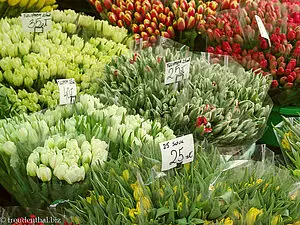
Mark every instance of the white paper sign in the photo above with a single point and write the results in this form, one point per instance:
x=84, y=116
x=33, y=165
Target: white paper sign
x=178, y=70
x=67, y=91
x=177, y=151
x=37, y=22
x=262, y=29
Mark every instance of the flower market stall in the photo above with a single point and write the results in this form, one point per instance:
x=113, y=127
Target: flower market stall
x=149, y=112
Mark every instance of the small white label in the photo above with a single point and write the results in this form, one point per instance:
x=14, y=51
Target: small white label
x=67, y=91
x=178, y=70
x=37, y=22
x=262, y=29
x=177, y=151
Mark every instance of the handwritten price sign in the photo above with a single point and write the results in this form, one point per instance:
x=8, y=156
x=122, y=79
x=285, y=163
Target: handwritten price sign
x=177, y=151
x=262, y=29
x=178, y=70
x=36, y=22
x=67, y=91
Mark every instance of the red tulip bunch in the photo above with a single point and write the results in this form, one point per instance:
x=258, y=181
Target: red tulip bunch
x=281, y=59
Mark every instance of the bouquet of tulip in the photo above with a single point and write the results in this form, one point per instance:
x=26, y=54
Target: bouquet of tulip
x=132, y=191
x=228, y=110
x=14, y=8
x=30, y=63
x=229, y=34
x=288, y=136
x=45, y=153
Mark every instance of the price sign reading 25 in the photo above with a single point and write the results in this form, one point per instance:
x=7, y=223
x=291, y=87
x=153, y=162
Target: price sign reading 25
x=36, y=22
x=177, y=151
x=178, y=70
x=67, y=91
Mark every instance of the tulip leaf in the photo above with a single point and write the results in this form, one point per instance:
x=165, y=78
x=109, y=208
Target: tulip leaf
x=162, y=211
x=197, y=221
x=181, y=221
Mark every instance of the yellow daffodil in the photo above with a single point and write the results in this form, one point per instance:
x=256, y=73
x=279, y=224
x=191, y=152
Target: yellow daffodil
x=187, y=166
x=252, y=215
x=277, y=188
x=125, y=175
x=13, y=2
x=275, y=220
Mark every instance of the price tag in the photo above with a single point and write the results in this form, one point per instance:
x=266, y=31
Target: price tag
x=177, y=151
x=262, y=29
x=67, y=91
x=37, y=22
x=178, y=70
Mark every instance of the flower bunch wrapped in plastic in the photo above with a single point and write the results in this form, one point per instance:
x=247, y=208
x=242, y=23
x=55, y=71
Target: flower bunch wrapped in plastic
x=49, y=156
x=14, y=8
x=288, y=136
x=226, y=106
x=131, y=190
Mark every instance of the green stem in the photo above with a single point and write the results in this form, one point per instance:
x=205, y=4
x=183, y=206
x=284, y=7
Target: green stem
x=3, y=8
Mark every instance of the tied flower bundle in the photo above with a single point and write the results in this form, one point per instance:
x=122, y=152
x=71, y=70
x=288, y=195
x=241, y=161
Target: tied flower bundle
x=49, y=156
x=131, y=191
x=227, y=107
x=30, y=63
x=236, y=33
x=288, y=136
x=14, y=8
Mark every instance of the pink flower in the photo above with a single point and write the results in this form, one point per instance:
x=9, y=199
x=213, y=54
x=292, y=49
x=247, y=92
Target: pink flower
x=291, y=35
x=274, y=83
x=226, y=47
x=264, y=44
x=296, y=52
x=263, y=64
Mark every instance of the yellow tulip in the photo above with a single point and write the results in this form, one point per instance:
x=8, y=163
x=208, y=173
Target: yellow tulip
x=13, y=2
x=285, y=144
x=237, y=214
x=252, y=215
x=227, y=221
x=89, y=200
x=125, y=175
x=31, y=3
x=23, y=3
x=40, y=4
x=275, y=220
x=137, y=191
x=175, y=189
x=146, y=204
x=47, y=8
x=132, y=213
x=50, y=2
x=259, y=181
x=2, y=1
x=54, y=7
x=101, y=199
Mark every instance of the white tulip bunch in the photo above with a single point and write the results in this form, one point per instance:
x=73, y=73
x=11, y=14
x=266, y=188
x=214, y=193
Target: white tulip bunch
x=66, y=159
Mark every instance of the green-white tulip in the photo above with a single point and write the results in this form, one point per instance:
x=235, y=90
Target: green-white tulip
x=34, y=157
x=86, y=157
x=74, y=174
x=44, y=173
x=60, y=170
x=9, y=148
x=86, y=146
x=31, y=168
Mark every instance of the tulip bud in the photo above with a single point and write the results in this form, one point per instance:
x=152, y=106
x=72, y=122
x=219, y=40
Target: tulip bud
x=161, y=26
x=291, y=35
x=112, y=18
x=135, y=28
x=145, y=36
x=44, y=173
x=127, y=19
x=153, y=13
x=190, y=23
x=120, y=23
x=288, y=85
x=171, y=31
x=283, y=80
x=31, y=169
x=165, y=34
x=153, y=39
x=138, y=17
x=150, y=30
x=180, y=24
x=107, y=4
x=130, y=6
x=157, y=32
